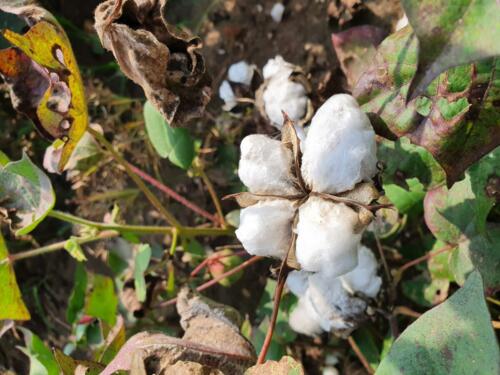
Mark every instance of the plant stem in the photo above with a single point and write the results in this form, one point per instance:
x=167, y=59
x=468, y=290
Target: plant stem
x=213, y=195
x=173, y=245
x=414, y=262
x=149, y=194
x=60, y=246
x=215, y=280
x=174, y=195
x=360, y=355
x=144, y=229
x=276, y=306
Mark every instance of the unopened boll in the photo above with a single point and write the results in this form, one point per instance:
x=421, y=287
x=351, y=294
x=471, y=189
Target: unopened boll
x=363, y=279
x=281, y=94
x=326, y=238
x=304, y=319
x=265, y=228
x=241, y=72
x=265, y=166
x=340, y=148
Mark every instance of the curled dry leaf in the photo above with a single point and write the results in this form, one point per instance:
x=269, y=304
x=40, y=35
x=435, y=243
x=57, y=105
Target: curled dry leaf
x=286, y=366
x=212, y=343
x=165, y=61
x=43, y=76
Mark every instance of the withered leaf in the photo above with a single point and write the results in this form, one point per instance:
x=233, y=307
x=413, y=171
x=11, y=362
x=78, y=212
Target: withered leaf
x=211, y=339
x=286, y=366
x=165, y=61
x=44, y=78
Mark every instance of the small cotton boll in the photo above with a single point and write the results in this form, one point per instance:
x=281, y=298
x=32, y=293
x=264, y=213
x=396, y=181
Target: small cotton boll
x=265, y=228
x=303, y=319
x=297, y=282
x=241, y=72
x=265, y=166
x=326, y=240
x=277, y=12
x=275, y=66
x=340, y=148
x=363, y=278
x=226, y=93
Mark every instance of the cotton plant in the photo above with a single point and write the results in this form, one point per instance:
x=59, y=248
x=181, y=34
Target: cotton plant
x=238, y=73
x=309, y=200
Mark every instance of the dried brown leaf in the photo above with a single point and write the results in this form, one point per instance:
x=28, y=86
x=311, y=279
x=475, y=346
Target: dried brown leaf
x=163, y=60
x=286, y=366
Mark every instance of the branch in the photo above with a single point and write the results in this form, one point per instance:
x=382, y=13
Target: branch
x=360, y=355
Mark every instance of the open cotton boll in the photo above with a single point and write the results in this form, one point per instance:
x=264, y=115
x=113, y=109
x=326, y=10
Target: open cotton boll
x=340, y=147
x=304, y=319
x=265, y=166
x=241, y=72
x=281, y=94
x=297, y=282
x=277, y=12
x=363, y=278
x=265, y=228
x=226, y=93
x=326, y=240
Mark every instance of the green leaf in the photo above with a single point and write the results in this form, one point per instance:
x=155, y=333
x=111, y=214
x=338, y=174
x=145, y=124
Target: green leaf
x=455, y=337
x=439, y=265
x=42, y=361
x=68, y=365
x=173, y=143
x=27, y=191
x=11, y=302
x=406, y=200
x=457, y=119
x=426, y=292
x=227, y=262
x=366, y=343
x=74, y=249
x=480, y=253
x=451, y=35
x=102, y=301
x=76, y=301
x=141, y=262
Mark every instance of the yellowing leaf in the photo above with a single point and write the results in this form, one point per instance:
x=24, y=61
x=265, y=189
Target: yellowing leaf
x=11, y=302
x=44, y=79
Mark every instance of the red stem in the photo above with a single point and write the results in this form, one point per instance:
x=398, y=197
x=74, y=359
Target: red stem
x=211, y=259
x=427, y=256
x=214, y=281
x=174, y=195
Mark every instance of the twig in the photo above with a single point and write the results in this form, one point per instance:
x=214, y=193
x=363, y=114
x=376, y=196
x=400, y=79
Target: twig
x=427, y=256
x=60, y=246
x=496, y=324
x=174, y=195
x=382, y=257
x=403, y=310
x=215, y=280
x=148, y=193
x=276, y=306
x=211, y=259
x=360, y=355
x=213, y=195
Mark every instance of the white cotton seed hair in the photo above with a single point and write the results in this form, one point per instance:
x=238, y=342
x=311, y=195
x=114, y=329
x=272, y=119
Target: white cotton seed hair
x=277, y=12
x=281, y=94
x=340, y=147
x=297, y=282
x=326, y=240
x=241, y=72
x=303, y=319
x=226, y=93
x=266, y=227
x=363, y=279
x=265, y=166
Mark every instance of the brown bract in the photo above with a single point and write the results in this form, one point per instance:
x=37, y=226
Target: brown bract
x=163, y=60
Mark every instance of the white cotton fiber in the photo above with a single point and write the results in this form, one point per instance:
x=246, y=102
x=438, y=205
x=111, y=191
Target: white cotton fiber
x=402, y=22
x=363, y=279
x=266, y=227
x=226, y=93
x=265, y=166
x=297, y=282
x=326, y=240
x=281, y=94
x=241, y=72
x=277, y=12
x=340, y=147
x=304, y=319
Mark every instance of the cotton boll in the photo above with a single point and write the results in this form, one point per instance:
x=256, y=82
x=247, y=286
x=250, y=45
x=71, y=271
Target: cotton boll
x=326, y=240
x=241, y=72
x=303, y=319
x=226, y=93
x=277, y=12
x=297, y=282
x=265, y=228
x=282, y=94
x=340, y=148
x=265, y=166
x=364, y=277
